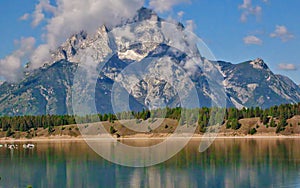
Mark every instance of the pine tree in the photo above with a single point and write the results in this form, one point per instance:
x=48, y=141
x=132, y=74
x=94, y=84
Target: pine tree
x=235, y=124
x=272, y=123
x=265, y=118
x=283, y=122
x=9, y=132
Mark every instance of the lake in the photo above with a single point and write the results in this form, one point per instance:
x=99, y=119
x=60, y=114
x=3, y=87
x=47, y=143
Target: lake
x=227, y=163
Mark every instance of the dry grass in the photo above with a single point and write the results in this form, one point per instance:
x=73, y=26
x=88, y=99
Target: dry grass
x=156, y=128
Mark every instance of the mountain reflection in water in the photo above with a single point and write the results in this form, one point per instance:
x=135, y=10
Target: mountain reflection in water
x=227, y=163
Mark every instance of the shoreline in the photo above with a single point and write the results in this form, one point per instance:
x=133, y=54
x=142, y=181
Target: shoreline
x=143, y=137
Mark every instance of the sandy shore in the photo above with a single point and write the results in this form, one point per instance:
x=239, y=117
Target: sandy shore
x=142, y=137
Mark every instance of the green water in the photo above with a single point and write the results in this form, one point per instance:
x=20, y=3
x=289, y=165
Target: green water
x=227, y=163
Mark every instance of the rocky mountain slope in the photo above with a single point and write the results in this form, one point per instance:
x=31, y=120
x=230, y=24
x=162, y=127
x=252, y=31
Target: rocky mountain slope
x=48, y=90
x=252, y=83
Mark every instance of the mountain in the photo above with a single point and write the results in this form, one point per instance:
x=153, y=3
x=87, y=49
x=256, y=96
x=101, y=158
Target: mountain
x=48, y=90
x=45, y=91
x=252, y=83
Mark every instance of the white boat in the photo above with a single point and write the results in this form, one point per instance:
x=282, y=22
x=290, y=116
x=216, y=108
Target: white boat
x=12, y=146
x=1, y=146
x=28, y=146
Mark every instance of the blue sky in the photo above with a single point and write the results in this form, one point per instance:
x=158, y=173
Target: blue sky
x=234, y=30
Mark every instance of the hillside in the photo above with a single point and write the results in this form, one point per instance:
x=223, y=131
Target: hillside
x=165, y=129
x=277, y=120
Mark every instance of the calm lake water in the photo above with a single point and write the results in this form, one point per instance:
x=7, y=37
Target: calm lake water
x=227, y=163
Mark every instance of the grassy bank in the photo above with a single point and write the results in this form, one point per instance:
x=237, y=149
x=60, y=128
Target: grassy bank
x=151, y=129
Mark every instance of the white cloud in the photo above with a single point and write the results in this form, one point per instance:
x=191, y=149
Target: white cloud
x=38, y=15
x=190, y=25
x=165, y=5
x=11, y=65
x=246, y=4
x=287, y=67
x=24, y=17
x=252, y=40
x=282, y=32
x=72, y=16
x=180, y=14
x=40, y=56
x=248, y=9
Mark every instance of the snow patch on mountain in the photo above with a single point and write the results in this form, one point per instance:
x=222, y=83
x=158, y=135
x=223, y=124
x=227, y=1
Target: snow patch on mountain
x=236, y=104
x=252, y=87
x=132, y=55
x=259, y=64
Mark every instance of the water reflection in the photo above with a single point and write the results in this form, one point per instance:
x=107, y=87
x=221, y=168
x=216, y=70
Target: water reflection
x=227, y=163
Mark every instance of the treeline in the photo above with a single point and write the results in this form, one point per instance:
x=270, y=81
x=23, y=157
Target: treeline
x=274, y=117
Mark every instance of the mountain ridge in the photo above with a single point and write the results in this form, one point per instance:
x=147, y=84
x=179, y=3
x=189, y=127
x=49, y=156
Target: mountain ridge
x=47, y=90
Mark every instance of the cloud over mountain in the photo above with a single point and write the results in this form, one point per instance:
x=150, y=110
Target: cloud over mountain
x=282, y=32
x=287, y=67
x=71, y=16
x=252, y=40
x=11, y=65
x=165, y=5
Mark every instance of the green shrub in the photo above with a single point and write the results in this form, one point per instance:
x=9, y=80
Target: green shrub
x=279, y=128
x=112, y=130
x=272, y=123
x=9, y=132
x=228, y=125
x=253, y=131
x=234, y=124
x=51, y=130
